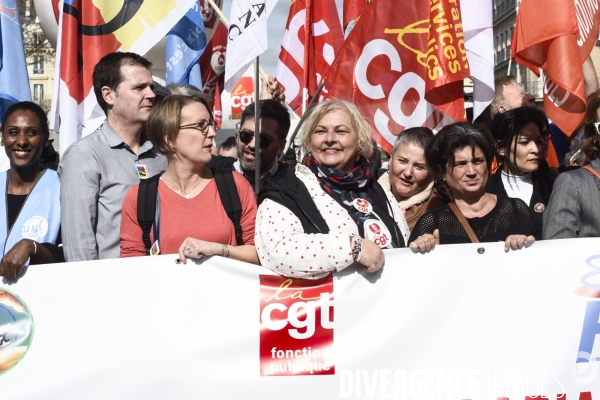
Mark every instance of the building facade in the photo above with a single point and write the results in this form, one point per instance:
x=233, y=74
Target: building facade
x=505, y=16
x=40, y=56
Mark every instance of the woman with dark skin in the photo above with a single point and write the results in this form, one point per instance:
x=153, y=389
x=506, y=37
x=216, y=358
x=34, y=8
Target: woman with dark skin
x=30, y=195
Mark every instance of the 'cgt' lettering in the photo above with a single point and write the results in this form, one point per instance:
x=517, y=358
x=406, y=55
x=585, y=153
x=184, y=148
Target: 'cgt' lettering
x=405, y=82
x=307, y=309
x=241, y=101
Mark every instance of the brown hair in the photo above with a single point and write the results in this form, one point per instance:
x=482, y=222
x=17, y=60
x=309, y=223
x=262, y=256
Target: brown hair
x=590, y=146
x=165, y=119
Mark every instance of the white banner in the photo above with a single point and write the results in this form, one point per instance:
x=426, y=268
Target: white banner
x=451, y=324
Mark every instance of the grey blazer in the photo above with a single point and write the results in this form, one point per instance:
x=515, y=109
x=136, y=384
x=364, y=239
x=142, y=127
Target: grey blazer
x=574, y=207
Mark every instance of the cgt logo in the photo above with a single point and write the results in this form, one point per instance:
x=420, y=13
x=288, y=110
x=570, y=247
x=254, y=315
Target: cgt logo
x=242, y=96
x=296, y=335
x=591, y=323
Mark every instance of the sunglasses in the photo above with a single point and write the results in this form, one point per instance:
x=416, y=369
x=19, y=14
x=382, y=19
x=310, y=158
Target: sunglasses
x=246, y=137
x=203, y=125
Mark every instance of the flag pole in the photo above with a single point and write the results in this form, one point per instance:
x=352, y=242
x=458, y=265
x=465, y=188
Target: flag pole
x=226, y=22
x=256, y=127
x=312, y=101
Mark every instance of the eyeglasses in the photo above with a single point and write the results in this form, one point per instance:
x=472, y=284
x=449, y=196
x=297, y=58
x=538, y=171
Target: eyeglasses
x=247, y=136
x=202, y=125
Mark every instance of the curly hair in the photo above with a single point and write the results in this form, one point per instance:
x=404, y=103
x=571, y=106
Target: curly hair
x=360, y=126
x=440, y=151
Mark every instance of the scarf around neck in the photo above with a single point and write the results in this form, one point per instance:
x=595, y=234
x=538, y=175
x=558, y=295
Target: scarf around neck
x=346, y=185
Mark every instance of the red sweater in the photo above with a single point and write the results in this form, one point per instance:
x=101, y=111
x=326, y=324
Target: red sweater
x=201, y=217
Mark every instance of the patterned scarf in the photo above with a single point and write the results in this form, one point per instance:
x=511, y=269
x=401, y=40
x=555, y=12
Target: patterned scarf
x=346, y=185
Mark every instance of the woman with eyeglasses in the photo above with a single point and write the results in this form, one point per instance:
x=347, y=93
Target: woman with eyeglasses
x=573, y=207
x=328, y=212
x=522, y=136
x=190, y=218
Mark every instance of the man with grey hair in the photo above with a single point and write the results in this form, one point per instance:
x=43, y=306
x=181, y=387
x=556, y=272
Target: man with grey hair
x=509, y=95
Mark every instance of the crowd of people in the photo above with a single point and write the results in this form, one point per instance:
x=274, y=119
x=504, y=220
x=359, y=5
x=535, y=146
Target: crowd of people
x=151, y=181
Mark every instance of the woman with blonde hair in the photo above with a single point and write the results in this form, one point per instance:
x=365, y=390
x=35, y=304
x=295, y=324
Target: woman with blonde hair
x=575, y=200
x=329, y=212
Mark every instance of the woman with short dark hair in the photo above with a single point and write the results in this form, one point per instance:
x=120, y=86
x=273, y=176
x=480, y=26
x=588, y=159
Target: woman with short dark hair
x=408, y=177
x=460, y=156
x=30, y=198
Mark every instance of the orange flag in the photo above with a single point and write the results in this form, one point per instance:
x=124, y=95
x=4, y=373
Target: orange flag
x=557, y=38
x=446, y=60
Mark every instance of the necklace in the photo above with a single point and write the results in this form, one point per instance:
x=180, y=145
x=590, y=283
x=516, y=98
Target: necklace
x=186, y=194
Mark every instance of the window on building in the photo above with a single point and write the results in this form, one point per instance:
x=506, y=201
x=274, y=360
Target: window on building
x=38, y=92
x=38, y=65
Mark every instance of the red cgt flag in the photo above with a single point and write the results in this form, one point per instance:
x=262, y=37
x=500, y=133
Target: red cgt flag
x=212, y=62
x=391, y=69
x=312, y=38
x=558, y=38
x=217, y=109
x=352, y=10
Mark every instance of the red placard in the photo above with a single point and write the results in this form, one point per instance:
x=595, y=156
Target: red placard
x=296, y=326
x=241, y=96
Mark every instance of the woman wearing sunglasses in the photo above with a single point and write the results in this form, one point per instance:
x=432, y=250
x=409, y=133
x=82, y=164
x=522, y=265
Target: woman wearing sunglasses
x=522, y=136
x=329, y=212
x=573, y=208
x=191, y=218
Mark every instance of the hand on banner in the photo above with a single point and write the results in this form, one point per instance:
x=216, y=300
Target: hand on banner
x=517, y=242
x=372, y=257
x=14, y=260
x=196, y=249
x=426, y=242
x=271, y=89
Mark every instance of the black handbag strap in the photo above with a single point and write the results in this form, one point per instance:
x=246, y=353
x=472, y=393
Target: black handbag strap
x=146, y=207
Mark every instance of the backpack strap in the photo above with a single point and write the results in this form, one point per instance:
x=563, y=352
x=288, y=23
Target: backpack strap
x=230, y=199
x=592, y=170
x=146, y=207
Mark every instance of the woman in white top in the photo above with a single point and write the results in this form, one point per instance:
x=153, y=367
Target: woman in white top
x=329, y=212
x=522, y=137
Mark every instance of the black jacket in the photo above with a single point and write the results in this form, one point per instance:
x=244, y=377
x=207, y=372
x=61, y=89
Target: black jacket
x=289, y=191
x=543, y=180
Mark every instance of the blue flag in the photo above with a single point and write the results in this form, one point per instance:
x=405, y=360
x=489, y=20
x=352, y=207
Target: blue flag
x=14, y=80
x=185, y=44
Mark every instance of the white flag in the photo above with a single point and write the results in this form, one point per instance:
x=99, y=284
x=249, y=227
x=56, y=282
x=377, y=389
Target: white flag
x=479, y=43
x=247, y=37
